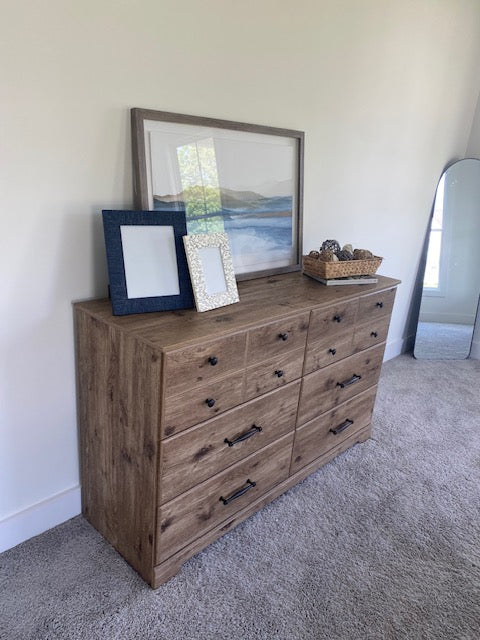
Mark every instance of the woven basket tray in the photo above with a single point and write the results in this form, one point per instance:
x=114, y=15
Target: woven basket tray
x=341, y=269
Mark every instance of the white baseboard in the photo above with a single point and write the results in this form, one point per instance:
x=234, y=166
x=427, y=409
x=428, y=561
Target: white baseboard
x=397, y=347
x=39, y=518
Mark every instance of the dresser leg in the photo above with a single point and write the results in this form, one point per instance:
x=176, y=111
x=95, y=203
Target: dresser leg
x=164, y=572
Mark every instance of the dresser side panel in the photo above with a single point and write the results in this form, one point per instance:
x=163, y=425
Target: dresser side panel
x=119, y=382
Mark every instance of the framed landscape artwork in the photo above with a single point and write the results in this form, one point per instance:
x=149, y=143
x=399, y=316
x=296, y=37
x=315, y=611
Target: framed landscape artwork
x=229, y=177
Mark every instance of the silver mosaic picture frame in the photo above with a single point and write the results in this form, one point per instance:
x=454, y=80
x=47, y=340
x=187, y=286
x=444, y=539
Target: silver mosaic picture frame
x=211, y=269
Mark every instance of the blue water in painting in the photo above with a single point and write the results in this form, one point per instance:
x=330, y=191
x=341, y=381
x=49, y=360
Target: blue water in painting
x=256, y=227
x=274, y=230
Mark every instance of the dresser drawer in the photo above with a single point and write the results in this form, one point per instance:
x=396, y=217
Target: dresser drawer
x=200, y=363
x=375, y=305
x=202, y=451
x=202, y=403
x=327, y=324
x=331, y=428
x=185, y=518
x=337, y=383
x=276, y=338
x=370, y=333
x=324, y=352
x=275, y=373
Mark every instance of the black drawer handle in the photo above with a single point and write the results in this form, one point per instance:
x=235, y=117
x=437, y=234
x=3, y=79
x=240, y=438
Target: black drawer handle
x=332, y=351
x=279, y=373
x=245, y=436
x=213, y=360
x=341, y=427
x=380, y=305
x=337, y=318
x=210, y=402
x=283, y=336
x=238, y=493
x=374, y=334
x=346, y=383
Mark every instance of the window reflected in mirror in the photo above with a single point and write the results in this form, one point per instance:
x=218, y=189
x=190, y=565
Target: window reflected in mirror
x=451, y=281
x=435, y=259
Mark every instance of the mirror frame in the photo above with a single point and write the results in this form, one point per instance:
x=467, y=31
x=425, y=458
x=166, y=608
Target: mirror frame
x=417, y=302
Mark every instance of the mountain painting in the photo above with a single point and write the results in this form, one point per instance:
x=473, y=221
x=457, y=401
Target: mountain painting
x=237, y=181
x=259, y=228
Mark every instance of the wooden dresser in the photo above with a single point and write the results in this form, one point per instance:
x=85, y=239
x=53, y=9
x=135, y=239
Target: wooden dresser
x=191, y=422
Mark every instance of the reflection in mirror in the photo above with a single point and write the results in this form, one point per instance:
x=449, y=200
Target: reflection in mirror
x=451, y=285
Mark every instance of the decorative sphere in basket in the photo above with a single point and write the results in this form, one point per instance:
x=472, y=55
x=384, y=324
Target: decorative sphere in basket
x=331, y=262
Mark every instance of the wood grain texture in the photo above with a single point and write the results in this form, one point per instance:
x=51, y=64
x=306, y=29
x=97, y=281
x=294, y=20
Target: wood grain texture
x=200, y=509
x=273, y=373
x=168, y=568
x=277, y=338
x=324, y=352
x=193, y=406
x=118, y=433
x=326, y=324
x=315, y=438
x=261, y=301
x=156, y=499
x=201, y=452
x=321, y=391
x=370, y=333
x=375, y=305
x=203, y=362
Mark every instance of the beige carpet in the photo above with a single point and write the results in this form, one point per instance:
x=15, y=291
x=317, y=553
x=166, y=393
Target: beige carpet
x=383, y=543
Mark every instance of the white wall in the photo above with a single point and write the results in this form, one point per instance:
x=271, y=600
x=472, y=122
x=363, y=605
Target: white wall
x=385, y=91
x=473, y=147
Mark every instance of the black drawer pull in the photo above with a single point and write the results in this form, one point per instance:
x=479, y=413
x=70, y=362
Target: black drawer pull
x=346, y=383
x=283, y=336
x=332, y=351
x=380, y=305
x=374, y=334
x=210, y=402
x=213, y=360
x=341, y=427
x=337, y=318
x=245, y=436
x=238, y=493
x=279, y=373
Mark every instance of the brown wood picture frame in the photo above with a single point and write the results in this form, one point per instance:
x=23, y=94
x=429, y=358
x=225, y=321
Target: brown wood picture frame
x=230, y=177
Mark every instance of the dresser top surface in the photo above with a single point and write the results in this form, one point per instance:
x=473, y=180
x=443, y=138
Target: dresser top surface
x=262, y=300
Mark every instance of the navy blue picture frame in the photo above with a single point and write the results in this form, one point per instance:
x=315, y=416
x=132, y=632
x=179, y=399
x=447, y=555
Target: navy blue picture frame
x=121, y=303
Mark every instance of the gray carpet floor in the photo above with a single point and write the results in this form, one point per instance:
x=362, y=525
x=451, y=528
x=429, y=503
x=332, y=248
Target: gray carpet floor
x=382, y=543
x=440, y=340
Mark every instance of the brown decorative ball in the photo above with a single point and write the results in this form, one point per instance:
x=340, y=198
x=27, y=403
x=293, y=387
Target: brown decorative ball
x=314, y=254
x=330, y=245
x=362, y=254
x=327, y=256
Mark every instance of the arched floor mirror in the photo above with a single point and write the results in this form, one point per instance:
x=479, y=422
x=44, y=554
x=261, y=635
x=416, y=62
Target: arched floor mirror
x=451, y=283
